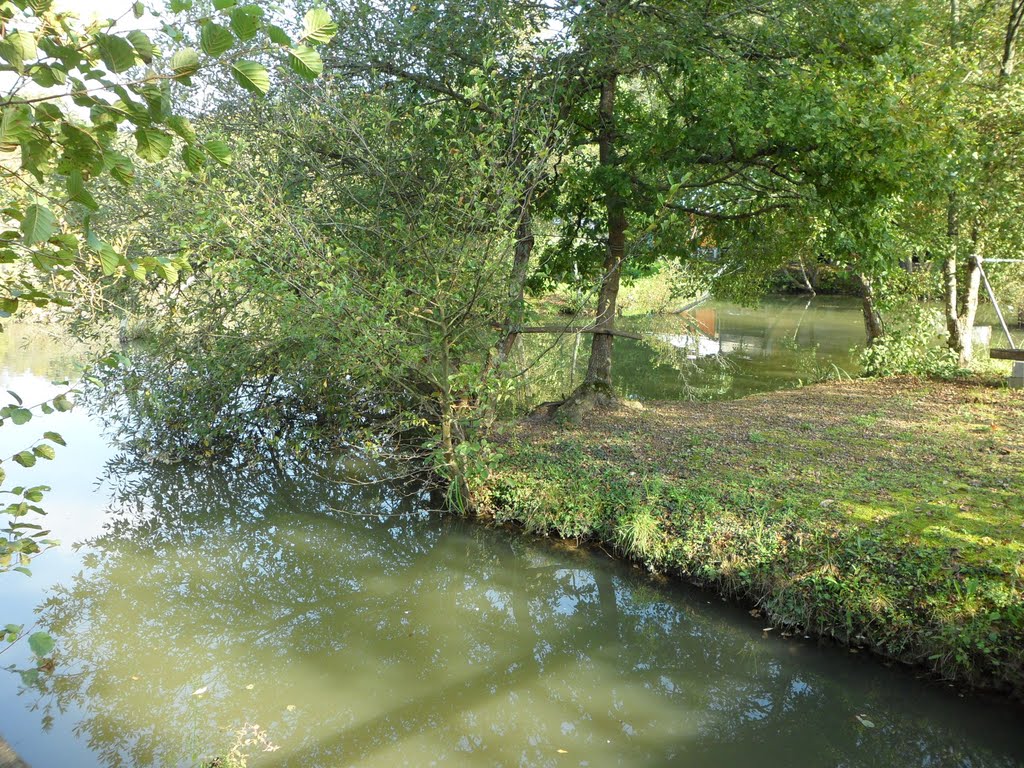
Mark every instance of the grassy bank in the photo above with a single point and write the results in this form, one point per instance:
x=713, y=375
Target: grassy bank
x=888, y=514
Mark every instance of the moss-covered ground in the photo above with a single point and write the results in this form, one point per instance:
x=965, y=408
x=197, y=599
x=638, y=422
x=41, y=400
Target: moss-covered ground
x=888, y=514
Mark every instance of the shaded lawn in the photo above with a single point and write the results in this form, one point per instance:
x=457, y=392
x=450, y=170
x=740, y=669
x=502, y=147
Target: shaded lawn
x=885, y=513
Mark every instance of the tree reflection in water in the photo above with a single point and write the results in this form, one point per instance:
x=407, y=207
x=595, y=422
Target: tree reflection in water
x=355, y=628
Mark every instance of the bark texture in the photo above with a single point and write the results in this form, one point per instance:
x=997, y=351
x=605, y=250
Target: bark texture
x=873, y=327
x=599, y=370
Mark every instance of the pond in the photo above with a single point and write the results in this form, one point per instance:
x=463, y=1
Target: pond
x=717, y=351
x=198, y=606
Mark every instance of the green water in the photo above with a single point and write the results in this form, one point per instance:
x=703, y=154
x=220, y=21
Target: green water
x=354, y=626
x=781, y=343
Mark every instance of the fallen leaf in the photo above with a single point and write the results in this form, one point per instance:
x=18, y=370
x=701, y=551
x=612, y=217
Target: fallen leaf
x=562, y=751
x=200, y=691
x=863, y=720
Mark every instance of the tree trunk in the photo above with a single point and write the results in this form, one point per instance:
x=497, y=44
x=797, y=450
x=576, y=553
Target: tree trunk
x=960, y=309
x=599, y=370
x=873, y=327
x=1010, y=41
x=517, y=282
x=953, y=330
x=808, y=284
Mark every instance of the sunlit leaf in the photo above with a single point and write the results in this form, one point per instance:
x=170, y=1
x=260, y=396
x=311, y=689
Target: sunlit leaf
x=45, y=452
x=185, y=62
x=151, y=144
x=305, y=61
x=245, y=21
x=193, y=158
x=117, y=53
x=219, y=150
x=25, y=458
x=251, y=76
x=143, y=45
x=215, y=39
x=17, y=48
x=181, y=126
x=318, y=27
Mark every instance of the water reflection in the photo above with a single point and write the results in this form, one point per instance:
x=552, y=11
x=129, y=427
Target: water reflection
x=356, y=638
x=718, y=351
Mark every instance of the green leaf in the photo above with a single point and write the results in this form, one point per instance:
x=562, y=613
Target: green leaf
x=45, y=452
x=62, y=404
x=116, y=52
x=25, y=458
x=305, y=62
x=16, y=396
x=177, y=6
x=120, y=166
x=194, y=159
x=143, y=45
x=215, y=39
x=277, y=35
x=38, y=224
x=151, y=144
x=40, y=643
x=48, y=113
x=78, y=192
x=223, y=5
x=43, y=76
x=251, y=76
x=138, y=10
x=185, y=62
x=167, y=271
x=245, y=21
x=109, y=261
x=15, y=127
x=54, y=437
x=21, y=416
x=17, y=48
x=181, y=126
x=219, y=150
x=318, y=27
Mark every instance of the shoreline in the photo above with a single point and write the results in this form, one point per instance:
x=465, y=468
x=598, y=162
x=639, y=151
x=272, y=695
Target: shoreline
x=884, y=514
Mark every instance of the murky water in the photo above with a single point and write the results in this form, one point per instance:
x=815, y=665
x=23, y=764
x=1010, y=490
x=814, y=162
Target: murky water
x=717, y=351
x=354, y=627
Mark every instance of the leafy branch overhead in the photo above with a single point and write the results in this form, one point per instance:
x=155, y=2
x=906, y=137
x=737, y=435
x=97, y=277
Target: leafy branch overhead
x=76, y=90
x=81, y=102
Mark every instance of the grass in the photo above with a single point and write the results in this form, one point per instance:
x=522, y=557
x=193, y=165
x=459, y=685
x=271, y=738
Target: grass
x=887, y=514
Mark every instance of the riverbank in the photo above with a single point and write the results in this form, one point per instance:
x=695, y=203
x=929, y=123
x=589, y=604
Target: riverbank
x=887, y=514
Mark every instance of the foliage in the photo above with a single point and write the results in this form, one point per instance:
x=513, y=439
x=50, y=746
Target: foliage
x=913, y=342
x=348, y=278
